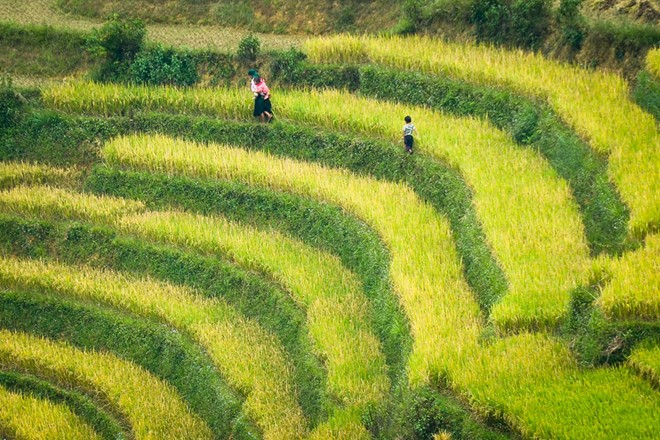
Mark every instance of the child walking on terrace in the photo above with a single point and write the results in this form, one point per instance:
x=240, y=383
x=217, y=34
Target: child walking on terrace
x=408, y=130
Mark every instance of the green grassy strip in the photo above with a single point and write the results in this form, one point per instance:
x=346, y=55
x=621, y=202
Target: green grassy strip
x=152, y=407
x=81, y=405
x=176, y=359
x=645, y=360
x=14, y=173
x=23, y=416
x=647, y=93
x=38, y=50
x=531, y=381
x=532, y=124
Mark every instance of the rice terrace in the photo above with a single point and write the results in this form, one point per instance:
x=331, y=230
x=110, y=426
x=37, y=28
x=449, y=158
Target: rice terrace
x=251, y=219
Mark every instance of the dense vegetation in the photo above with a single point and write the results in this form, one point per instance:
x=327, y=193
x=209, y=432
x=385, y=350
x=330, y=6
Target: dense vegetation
x=169, y=268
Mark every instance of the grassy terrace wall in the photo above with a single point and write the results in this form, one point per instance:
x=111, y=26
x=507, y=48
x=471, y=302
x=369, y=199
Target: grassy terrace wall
x=505, y=362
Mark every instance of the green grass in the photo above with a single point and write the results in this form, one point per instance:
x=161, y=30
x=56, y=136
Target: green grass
x=42, y=51
x=30, y=417
x=151, y=406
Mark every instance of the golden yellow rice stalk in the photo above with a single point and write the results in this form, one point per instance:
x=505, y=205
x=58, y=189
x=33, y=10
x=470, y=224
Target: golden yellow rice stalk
x=646, y=361
x=14, y=173
x=337, y=311
x=249, y=358
x=595, y=103
x=62, y=204
x=653, y=62
x=530, y=380
x=528, y=213
x=633, y=291
x=152, y=407
x=28, y=417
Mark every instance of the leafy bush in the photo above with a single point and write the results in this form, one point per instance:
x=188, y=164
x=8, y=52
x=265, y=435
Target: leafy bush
x=164, y=65
x=249, y=48
x=11, y=103
x=523, y=23
x=571, y=23
x=286, y=64
x=117, y=43
x=530, y=22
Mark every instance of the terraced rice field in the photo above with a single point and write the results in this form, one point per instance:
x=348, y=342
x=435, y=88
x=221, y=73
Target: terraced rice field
x=202, y=276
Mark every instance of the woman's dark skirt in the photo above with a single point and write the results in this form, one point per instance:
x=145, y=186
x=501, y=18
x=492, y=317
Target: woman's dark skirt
x=261, y=105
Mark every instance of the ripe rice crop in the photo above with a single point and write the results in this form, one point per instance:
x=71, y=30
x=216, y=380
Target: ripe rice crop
x=633, y=290
x=646, y=361
x=152, y=407
x=264, y=375
x=596, y=104
x=529, y=217
x=62, y=204
x=24, y=416
x=653, y=62
x=14, y=173
x=532, y=381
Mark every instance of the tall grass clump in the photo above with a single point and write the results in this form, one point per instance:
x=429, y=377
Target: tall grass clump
x=596, y=104
x=528, y=215
x=25, y=416
x=531, y=381
x=264, y=375
x=153, y=408
x=15, y=173
x=632, y=291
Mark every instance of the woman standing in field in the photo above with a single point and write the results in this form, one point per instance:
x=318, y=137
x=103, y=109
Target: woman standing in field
x=262, y=106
